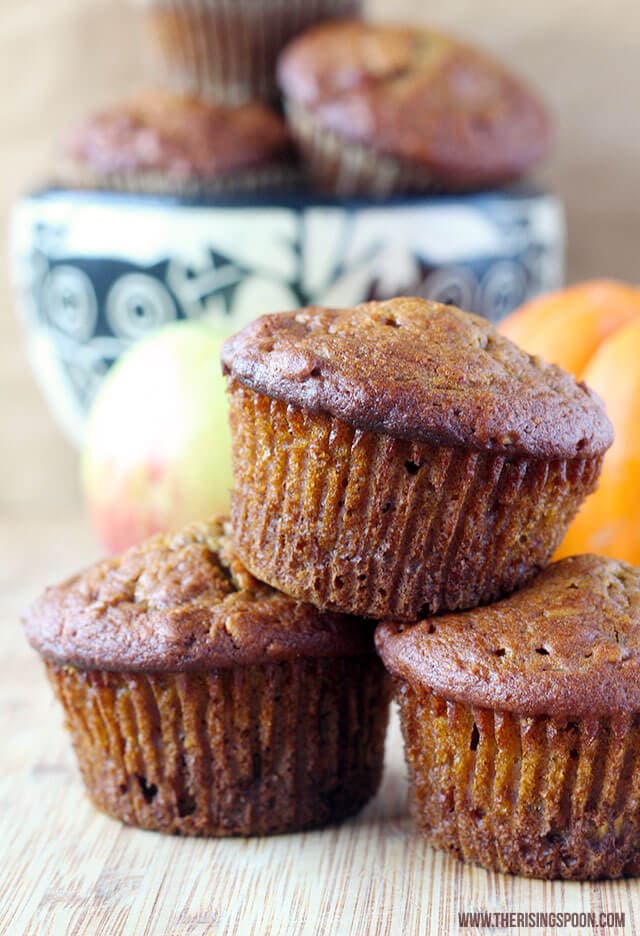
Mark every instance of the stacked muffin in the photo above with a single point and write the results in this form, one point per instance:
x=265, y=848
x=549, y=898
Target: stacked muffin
x=405, y=462
x=203, y=702
x=372, y=110
x=381, y=109
x=403, y=465
x=162, y=141
x=227, y=49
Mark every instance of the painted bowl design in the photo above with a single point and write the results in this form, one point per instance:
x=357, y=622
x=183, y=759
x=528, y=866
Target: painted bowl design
x=97, y=271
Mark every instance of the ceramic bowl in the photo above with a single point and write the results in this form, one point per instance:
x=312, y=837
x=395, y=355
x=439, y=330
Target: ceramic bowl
x=97, y=271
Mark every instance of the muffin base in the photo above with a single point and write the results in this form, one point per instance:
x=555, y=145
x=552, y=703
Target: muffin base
x=540, y=797
x=227, y=49
x=269, y=178
x=348, y=169
x=386, y=528
x=252, y=750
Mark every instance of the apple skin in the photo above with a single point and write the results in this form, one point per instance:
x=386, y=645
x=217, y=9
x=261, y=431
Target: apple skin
x=157, y=448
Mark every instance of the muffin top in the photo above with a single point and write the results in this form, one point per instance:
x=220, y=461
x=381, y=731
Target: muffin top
x=567, y=644
x=179, y=602
x=419, y=95
x=182, y=136
x=422, y=371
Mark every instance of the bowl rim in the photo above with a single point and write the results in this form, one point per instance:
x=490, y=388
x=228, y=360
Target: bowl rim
x=297, y=201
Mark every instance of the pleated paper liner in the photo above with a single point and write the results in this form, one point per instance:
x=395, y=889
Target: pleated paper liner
x=275, y=177
x=349, y=169
x=251, y=750
x=386, y=528
x=227, y=49
x=537, y=796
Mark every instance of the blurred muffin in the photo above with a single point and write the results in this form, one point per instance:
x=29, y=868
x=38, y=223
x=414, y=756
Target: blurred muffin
x=522, y=724
x=202, y=702
x=227, y=49
x=164, y=142
x=402, y=457
x=380, y=109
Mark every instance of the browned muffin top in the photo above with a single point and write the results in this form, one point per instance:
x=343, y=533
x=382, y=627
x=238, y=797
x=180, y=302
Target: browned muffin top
x=418, y=370
x=567, y=644
x=179, y=602
x=419, y=95
x=180, y=135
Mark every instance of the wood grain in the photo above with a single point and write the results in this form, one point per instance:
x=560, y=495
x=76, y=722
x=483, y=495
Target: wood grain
x=64, y=868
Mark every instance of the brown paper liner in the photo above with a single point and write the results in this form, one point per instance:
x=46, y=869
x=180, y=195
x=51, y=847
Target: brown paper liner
x=540, y=796
x=249, y=750
x=227, y=49
x=262, y=179
x=347, y=169
x=386, y=528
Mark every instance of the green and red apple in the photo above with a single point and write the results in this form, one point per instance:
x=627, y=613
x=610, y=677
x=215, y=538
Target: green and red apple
x=157, y=450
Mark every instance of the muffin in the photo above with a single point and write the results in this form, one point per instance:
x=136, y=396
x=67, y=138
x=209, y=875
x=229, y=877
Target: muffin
x=402, y=457
x=379, y=109
x=202, y=702
x=522, y=723
x=159, y=141
x=228, y=49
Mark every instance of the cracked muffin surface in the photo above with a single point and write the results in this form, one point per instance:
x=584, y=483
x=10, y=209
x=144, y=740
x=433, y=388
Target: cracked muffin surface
x=419, y=96
x=419, y=370
x=568, y=644
x=182, y=601
x=181, y=135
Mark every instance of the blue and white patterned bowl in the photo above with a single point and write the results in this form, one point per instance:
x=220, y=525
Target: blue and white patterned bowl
x=97, y=271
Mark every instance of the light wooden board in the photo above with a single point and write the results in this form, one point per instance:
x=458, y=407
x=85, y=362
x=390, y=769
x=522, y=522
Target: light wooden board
x=66, y=869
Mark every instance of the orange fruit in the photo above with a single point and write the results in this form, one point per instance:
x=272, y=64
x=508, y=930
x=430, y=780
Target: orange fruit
x=567, y=327
x=593, y=330
x=609, y=522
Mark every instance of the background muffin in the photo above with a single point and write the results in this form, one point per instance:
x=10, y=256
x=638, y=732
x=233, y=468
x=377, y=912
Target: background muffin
x=162, y=141
x=402, y=457
x=201, y=702
x=522, y=723
x=378, y=109
x=228, y=49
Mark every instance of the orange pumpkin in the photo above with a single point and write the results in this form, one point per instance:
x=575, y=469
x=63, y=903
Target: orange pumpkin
x=593, y=330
